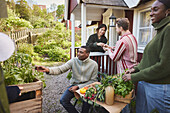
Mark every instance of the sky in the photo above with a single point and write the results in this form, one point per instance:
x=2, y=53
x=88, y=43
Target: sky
x=49, y=2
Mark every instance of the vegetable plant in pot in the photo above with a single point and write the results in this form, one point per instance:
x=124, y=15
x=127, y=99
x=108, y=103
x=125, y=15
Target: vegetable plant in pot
x=18, y=70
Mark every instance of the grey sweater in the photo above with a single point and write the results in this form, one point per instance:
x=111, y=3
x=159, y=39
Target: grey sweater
x=84, y=72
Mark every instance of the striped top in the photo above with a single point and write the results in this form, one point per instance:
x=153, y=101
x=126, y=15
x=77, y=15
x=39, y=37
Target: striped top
x=125, y=53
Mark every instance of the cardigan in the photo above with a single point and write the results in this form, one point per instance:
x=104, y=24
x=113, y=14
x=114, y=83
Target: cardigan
x=92, y=43
x=125, y=53
x=83, y=72
x=155, y=64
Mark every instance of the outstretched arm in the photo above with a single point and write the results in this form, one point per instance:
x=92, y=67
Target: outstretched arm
x=42, y=69
x=56, y=70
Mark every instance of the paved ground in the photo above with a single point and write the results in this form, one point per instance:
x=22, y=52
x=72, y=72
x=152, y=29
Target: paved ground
x=55, y=87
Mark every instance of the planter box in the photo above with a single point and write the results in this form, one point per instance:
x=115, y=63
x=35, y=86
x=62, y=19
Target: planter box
x=32, y=105
x=126, y=99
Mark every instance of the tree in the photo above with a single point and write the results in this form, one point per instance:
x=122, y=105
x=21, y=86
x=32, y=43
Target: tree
x=36, y=10
x=60, y=11
x=53, y=7
x=23, y=9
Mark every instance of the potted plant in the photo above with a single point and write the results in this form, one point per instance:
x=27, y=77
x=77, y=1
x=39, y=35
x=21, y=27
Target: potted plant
x=121, y=89
x=19, y=71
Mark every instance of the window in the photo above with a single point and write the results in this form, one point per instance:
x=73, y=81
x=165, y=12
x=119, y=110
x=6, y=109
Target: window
x=145, y=30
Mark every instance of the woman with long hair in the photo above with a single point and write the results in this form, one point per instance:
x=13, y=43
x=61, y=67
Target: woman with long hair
x=96, y=41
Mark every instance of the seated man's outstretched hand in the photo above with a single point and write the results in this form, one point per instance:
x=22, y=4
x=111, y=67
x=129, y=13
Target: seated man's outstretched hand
x=42, y=69
x=73, y=88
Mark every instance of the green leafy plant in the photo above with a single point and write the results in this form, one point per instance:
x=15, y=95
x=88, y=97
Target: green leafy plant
x=69, y=75
x=18, y=70
x=120, y=86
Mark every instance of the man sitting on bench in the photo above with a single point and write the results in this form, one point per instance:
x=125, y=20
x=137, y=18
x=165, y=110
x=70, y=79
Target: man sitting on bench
x=84, y=72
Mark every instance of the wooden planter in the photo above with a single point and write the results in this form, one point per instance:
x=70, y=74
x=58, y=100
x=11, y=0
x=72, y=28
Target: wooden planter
x=32, y=105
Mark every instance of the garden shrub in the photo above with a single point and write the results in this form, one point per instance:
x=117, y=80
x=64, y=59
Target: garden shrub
x=26, y=48
x=57, y=54
x=55, y=43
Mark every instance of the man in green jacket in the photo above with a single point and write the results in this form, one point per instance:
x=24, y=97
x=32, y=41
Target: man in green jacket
x=153, y=72
x=4, y=106
x=84, y=72
x=6, y=50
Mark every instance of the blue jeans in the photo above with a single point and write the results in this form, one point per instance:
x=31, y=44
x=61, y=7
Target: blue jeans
x=152, y=96
x=65, y=101
x=126, y=109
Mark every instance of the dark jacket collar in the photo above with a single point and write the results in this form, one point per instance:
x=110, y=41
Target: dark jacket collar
x=162, y=23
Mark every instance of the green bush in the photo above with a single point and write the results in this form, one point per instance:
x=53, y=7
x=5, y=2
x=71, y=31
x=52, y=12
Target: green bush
x=66, y=44
x=40, y=23
x=14, y=23
x=55, y=43
x=26, y=48
x=57, y=54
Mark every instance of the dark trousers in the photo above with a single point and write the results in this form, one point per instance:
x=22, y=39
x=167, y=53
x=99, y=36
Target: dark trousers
x=65, y=101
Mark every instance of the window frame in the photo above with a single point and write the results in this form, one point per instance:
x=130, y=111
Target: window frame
x=142, y=47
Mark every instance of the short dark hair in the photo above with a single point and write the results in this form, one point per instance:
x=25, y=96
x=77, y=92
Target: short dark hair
x=87, y=48
x=166, y=3
x=101, y=26
x=123, y=22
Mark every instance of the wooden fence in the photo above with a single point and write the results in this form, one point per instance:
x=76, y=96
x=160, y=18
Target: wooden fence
x=25, y=36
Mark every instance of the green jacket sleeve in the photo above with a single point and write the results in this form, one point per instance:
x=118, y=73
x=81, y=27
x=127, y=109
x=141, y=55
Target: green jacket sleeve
x=4, y=107
x=160, y=69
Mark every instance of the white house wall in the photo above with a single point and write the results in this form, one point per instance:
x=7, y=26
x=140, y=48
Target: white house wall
x=93, y=14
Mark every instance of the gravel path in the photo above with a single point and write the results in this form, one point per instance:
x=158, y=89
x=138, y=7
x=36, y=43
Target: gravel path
x=55, y=87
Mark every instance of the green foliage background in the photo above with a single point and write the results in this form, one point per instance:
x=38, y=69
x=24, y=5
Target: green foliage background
x=55, y=44
x=52, y=46
x=22, y=16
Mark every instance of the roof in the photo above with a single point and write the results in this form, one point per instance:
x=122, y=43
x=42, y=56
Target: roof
x=106, y=2
x=71, y=5
x=135, y=3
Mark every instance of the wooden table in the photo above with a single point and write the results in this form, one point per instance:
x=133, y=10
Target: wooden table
x=115, y=108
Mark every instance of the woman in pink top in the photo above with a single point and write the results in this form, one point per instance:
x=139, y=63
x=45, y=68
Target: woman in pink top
x=125, y=51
